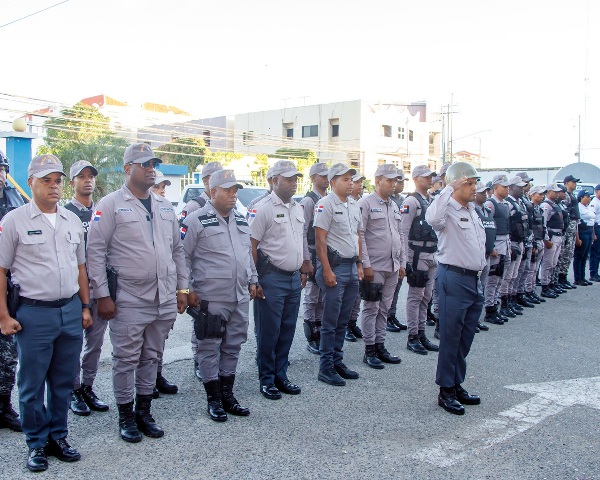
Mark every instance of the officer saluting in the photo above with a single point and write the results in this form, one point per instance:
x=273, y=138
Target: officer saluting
x=83, y=398
x=384, y=261
x=461, y=258
x=277, y=223
x=218, y=252
x=337, y=230
x=136, y=234
x=42, y=240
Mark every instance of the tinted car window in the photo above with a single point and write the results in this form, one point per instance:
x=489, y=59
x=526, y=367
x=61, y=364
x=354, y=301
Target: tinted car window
x=192, y=193
x=247, y=194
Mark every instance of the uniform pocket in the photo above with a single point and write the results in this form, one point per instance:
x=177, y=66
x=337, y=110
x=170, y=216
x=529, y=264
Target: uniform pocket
x=33, y=246
x=74, y=239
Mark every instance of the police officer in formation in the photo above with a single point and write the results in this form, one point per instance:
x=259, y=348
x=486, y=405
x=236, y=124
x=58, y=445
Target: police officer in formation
x=83, y=398
x=554, y=218
x=218, y=253
x=539, y=232
x=9, y=200
x=420, y=245
x=198, y=202
x=254, y=201
x=487, y=220
x=571, y=237
x=42, y=240
x=461, y=258
x=137, y=235
x=393, y=324
x=525, y=265
x=337, y=229
x=384, y=262
x=353, y=331
x=277, y=225
x=313, y=295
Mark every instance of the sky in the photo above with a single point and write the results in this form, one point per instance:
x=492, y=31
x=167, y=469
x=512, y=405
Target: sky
x=516, y=70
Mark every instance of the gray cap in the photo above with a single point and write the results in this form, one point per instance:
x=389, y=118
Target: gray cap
x=552, y=187
x=443, y=169
x=43, y=165
x=517, y=181
x=318, y=169
x=340, y=169
x=358, y=177
x=437, y=179
x=224, y=179
x=78, y=166
x=524, y=177
x=270, y=173
x=401, y=176
x=501, y=180
x=387, y=170
x=422, y=171
x=210, y=168
x=285, y=168
x=489, y=184
x=139, y=153
x=160, y=178
x=482, y=187
x=537, y=189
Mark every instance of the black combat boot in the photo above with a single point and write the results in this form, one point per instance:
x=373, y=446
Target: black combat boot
x=384, y=355
x=215, y=405
x=547, y=292
x=397, y=322
x=415, y=345
x=350, y=337
x=532, y=294
x=490, y=316
x=92, y=400
x=432, y=347
x=504, y=308
x=532, y=298
x=512, y=303
x=127, y=426
x=436, y=332
x=144, y=419
x=523, y=301
x=431, y=319
x=77, y=404
x=164, y=386
x=230, y=403
x=312, y=331
x=8, y=417
x=391, y=325
x=499, y=314
x=564, y=283
x=371, y=358
x=355, y=329
x=556, y=288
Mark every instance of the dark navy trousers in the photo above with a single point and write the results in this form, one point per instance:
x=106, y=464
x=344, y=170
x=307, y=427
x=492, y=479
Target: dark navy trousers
x=460, y=305
x=337, y=307
x=582, y=253
x=49, y=346
x=275, y=324
x=595, y=253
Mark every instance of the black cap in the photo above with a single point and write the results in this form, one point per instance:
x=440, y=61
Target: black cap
x=571, y=178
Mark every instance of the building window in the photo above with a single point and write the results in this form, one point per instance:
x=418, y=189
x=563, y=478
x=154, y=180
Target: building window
x=401, y=133
x=206, y=134
x=288, y=130
x=247, y=137
x=410, y=135
x=386, y=130
x=310, y=131
x=335, y=130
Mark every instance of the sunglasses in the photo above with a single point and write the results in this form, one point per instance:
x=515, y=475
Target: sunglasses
x=146, y=164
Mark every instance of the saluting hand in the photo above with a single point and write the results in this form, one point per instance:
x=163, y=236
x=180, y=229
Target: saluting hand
x=106, y=308
x=86, y=318
x=10, y=326
x=182, y=302
x=458, y=184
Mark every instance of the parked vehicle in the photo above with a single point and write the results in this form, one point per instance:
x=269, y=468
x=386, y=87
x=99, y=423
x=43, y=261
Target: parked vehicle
x=244, y=196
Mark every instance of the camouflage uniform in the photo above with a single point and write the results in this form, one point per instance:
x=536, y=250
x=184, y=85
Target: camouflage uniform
x=8, y=363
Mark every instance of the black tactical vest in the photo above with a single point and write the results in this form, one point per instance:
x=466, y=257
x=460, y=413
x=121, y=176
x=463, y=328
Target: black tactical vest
x=420, y=230
x=529, y=208
x=12, y=200
x=487, y=219
x=310, y=232
x=556, y=220
x=84, y=215
x=537, y=225
x=573, y=207
x=501, y=217
x=519, y=222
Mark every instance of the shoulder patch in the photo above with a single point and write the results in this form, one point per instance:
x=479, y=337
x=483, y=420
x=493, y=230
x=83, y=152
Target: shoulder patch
x=208, y=221
x=97, y=216
x=183, y=231
x=252, y=213
x=404, y=208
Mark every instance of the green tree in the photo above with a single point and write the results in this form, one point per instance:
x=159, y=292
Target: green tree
x=83, y=133
x=303, y=158
x=189, y=151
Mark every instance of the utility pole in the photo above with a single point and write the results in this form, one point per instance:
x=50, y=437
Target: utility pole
x=443, y=136
x=579, y=141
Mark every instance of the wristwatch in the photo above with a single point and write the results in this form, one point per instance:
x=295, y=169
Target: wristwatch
x=86, y=305
x=184, y=290
x=359, y=261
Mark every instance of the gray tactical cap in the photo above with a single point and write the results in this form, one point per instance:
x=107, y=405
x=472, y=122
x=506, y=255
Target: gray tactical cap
x=386, y=170
x=340, y=169
x=553, y=187
x=501, y=180
x=537, y=189
x=358, y=177
x=443, y=169
x=270, y=173
x=318, y=169
x=139, y=153
x=401, y=176
x=43, y=165
x=79, y=165
x=210, y=168
x=285, y=168
x=482, y=187
x=517, y=181
x=422, y=171
x=160, y=178
x=224, y=179
x=525, y=177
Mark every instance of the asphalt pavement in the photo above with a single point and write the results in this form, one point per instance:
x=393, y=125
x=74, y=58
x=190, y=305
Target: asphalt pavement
x=538, y=376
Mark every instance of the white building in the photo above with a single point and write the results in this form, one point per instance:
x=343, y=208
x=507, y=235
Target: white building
x=360, y=133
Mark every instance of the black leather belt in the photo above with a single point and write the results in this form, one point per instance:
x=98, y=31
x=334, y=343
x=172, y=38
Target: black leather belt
x=46, y=303
x=347, y=260
x=273, y=268
x=462, y=271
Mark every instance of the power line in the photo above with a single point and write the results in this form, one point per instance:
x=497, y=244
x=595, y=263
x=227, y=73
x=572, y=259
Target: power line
x=34, y=13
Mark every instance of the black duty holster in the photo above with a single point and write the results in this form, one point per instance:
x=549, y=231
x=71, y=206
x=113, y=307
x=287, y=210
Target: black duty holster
x=498, y=269
x=12, y=296
x=370, y=292
x=207, y=325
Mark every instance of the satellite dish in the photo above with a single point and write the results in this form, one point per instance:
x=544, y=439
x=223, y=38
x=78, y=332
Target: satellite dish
x=587, y=172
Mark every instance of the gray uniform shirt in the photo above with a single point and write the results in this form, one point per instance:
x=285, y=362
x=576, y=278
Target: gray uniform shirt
x=279, y=229
x=145, y=249
x=341, y=222
x=218, y=254
x=42, y=259
x=461, y=236
x=548, y=212
x=308, y=205
x=193, y=205
x=411, y=208
x=382, y=245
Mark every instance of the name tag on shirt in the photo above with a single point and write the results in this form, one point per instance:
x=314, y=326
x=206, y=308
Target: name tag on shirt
x=280, y=215
x=377, y=209
x=34, y=232
x=339, y=213
x=124, y=210
x=464, y=219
